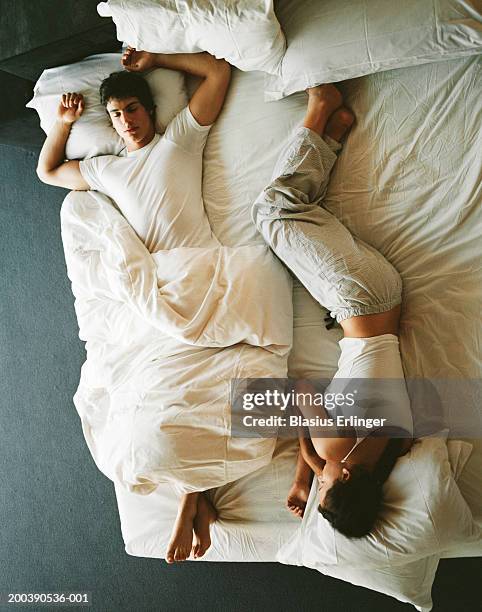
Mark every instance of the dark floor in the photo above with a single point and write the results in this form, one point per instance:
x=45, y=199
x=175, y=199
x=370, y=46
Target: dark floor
x=59, y=523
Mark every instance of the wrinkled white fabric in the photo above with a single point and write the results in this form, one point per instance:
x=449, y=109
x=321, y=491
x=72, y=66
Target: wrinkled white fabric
x=154, y=391
x=244, y=32
x=333, y=41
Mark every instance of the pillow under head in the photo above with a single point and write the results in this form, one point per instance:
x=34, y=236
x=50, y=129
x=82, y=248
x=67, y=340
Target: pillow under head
x=423, y=514
x=93, y=133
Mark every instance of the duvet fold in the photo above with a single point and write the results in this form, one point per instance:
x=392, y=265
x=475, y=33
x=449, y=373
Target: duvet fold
x=165, y=334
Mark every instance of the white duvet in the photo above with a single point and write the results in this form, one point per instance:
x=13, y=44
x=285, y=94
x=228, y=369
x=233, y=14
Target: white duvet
x=165, y=335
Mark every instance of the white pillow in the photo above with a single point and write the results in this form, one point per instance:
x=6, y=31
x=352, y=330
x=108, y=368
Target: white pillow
x=410, y=582
x=244, y=32
x=332, y=41
x=424, y=513
x=93, y=133
x=459, y=453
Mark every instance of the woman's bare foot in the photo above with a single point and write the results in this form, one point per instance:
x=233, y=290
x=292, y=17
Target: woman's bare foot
x=180, y=545
x=206, y=514
x=138, y=61
x=297, y=497
x=323, y=101
x=339, y=123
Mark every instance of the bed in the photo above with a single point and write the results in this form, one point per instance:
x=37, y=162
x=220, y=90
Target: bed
x=407, y=182
x=427, y=223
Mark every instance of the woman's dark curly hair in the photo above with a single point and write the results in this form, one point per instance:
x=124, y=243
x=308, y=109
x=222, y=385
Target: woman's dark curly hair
x=123, y=84
x=352, y=506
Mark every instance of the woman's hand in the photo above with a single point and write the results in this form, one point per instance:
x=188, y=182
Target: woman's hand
x=70, y=108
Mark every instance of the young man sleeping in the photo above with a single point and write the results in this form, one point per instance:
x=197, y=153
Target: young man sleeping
x=157, y=181
x=157, y=186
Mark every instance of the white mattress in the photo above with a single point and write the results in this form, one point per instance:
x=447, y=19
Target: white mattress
x=408, y=182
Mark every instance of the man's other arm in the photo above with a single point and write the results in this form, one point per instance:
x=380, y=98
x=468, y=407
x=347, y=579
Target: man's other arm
x=208, y=99
x=52, y=167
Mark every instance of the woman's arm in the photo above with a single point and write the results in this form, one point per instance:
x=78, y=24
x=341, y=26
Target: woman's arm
x=308, y=457
x=303, y=473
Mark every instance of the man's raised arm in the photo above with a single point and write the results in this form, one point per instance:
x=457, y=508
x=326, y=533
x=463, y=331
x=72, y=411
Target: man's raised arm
x=52, y=167
x=208, y=99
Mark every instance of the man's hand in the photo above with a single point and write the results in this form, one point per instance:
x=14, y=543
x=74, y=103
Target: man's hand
x=138, y=61
x=70, y=108
x=52, y=167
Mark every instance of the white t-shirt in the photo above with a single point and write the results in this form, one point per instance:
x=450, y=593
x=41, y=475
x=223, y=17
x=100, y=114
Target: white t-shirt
x=158, y=188
x=376, y=357
x=373, y=358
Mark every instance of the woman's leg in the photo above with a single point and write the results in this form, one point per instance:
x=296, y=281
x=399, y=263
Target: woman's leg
x=341, y=272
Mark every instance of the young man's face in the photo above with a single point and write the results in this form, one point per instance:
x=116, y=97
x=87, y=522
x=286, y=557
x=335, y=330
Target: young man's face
x=131, y=121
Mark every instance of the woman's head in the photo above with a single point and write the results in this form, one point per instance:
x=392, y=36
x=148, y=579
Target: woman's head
x=350, y=498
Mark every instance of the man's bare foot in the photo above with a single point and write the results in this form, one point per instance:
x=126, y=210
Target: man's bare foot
x=297, y=497
x=180, y=545
x=138, y=61
x=206, y=514
x=339, y=123
x=323, y=101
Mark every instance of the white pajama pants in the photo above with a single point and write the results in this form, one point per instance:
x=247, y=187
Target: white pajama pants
x=343, y=273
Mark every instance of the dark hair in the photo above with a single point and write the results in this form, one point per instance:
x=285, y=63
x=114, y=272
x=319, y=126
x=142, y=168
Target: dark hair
x=125, y=84
x=352, y=506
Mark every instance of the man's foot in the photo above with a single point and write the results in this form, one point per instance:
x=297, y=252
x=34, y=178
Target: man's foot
x=138, y=61
x=339, y=124
x=323, y=101
x=180, y=545
x=206, y=514
x=297, y=498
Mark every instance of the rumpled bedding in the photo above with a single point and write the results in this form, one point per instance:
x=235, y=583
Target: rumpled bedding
x=165, y=335
x=244, y=32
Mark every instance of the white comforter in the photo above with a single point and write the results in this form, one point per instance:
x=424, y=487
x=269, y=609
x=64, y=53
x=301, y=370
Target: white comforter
x=165, y=335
